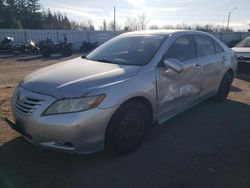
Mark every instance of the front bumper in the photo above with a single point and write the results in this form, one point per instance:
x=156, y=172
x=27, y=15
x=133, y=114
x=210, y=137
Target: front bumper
x=80, y=132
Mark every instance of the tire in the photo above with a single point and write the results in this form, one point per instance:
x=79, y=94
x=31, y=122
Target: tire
x=46, y=51
x=224, y=87
x=36, y=51
x=128, y=126
x=67, y=52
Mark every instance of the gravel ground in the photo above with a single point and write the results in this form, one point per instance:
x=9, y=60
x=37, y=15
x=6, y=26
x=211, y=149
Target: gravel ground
x=206, y=146
x=12, y=70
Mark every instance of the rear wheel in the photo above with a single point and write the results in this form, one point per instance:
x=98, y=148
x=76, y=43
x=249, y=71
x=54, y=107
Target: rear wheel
x=128, y=126
x=224, y=87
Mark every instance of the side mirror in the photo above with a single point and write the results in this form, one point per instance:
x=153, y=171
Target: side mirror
x=173, y=64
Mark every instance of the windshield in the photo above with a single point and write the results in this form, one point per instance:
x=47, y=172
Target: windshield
x=128, y=50
x=244, y=43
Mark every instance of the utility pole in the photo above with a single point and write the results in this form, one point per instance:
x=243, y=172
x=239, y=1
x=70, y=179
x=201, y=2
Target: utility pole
x=228, y=18
x=114, y=20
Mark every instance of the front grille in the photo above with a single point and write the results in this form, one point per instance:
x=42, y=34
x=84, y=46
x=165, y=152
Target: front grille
x=26, y=105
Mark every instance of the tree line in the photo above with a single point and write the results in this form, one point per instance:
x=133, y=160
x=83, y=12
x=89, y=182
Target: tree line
x=28, y=14
x=141, y=23
x=198, y=27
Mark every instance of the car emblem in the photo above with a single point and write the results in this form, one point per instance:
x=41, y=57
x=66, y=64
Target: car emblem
x=241, y=57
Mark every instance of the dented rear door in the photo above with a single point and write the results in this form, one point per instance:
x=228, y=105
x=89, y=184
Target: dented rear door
x=212, y=64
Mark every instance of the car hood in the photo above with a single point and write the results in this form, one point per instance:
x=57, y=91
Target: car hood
x=241, y=49
x=77, y=77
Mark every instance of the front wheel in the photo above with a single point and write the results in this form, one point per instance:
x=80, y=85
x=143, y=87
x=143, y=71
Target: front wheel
x=224, y=87
x=127, y=127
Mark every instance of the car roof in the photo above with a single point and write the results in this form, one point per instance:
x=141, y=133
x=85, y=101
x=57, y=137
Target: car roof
x=163, y=32
x=173, y=33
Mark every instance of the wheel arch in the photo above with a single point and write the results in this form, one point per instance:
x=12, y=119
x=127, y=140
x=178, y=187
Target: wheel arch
x=140, y=99
x=143, y=100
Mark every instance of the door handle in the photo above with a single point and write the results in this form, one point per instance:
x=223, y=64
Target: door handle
x=197, y=66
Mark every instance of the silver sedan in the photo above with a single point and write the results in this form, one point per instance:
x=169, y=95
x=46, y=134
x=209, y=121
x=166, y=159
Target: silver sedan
x=111, y=97
x=243, y=52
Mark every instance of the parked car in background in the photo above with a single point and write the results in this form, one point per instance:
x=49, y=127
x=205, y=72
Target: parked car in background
x=243, y=52
x=111, y=97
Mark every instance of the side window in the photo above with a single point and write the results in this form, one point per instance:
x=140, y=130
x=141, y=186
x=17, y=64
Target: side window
x=218, y=48
x=182, y=49
x=204, y=46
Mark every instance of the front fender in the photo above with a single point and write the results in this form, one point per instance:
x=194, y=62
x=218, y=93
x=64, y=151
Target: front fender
x=143, y=85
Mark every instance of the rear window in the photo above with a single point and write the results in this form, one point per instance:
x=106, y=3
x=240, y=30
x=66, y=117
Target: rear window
x=204, y=46
x=218, y=48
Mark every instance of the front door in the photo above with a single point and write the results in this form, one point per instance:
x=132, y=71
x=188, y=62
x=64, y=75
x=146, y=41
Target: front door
x=176, y=91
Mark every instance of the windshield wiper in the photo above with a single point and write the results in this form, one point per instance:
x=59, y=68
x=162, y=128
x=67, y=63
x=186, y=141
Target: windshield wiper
x=105, y=61
x=84, y=57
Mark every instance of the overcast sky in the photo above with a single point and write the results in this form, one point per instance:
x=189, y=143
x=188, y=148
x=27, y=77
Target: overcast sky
x=159, y=12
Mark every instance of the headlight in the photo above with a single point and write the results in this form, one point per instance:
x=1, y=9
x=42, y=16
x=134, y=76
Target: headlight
x=74, y=104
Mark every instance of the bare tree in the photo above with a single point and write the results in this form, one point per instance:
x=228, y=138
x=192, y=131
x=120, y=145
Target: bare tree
x=221, y=28
x=154, y=27
x=143, y=21
x=212, y=28
x=110, y=26
x=90, y=25
x=199, y=27
x=132, y=24
x=104, y=25
x=85, y=25
x=168, y=27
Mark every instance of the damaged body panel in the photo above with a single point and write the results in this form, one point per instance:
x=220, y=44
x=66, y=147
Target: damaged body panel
x=177, y=90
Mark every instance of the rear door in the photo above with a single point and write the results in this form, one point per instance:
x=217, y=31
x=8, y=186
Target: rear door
x=211, y=58
x=176, y=91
